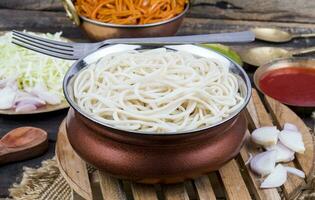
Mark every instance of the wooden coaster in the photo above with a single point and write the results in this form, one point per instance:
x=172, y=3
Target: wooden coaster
x=232, y=181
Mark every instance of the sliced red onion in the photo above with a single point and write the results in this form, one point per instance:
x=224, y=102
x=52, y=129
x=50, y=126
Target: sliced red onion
x=42, y=92
x=264, y=163
x=277, y=178
x=293, y=140
x=284, y=154
x=24, y=99
x=295, y=171
x=25, y=108
x=266, y=135
x=290, y=127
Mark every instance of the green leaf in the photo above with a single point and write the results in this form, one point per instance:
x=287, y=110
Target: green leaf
x=225, y=50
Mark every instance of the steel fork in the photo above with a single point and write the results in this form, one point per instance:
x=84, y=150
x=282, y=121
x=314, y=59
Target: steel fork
x=74, y=51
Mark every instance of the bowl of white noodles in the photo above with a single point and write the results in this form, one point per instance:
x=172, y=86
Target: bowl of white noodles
x=156, y=114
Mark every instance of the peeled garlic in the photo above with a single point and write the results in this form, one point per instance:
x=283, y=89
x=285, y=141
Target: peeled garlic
x=264, y=163
x=293, y=140
x=284, y=154
x=290, y=127
x=277, y=178
x=265, y=136
x=295, y=171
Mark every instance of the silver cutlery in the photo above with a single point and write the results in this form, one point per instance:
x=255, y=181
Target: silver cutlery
x=74, y=51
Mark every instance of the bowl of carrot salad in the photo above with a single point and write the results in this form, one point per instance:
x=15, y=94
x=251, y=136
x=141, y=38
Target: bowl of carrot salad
x=105, y=19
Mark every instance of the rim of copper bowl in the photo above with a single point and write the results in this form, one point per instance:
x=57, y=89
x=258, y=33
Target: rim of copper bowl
x=138, y=25
x=74, y=105
x=278, y=64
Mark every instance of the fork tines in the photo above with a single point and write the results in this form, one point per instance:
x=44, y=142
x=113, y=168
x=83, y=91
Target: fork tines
x=49, y=47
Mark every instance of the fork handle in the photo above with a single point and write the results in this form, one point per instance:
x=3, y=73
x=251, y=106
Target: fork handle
x=235, y=37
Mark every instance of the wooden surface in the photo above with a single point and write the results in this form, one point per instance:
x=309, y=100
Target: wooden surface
x=215, y=16
x=74, y=169
x=236, y=179
x=212, y=16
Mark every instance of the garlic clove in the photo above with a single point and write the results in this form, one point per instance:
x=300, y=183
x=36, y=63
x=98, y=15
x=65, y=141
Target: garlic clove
x=295, y=171
x=293, y=140
x=277, y=178
x=266, y=136
x=284, y=154
x=264, y=163
x=290, y=127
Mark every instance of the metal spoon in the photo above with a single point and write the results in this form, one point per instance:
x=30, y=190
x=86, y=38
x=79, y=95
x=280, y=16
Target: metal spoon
x=260, y=55
x=276, y=35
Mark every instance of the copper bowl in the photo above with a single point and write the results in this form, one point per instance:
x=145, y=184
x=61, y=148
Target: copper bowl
x=98, y=31
x=155, y=158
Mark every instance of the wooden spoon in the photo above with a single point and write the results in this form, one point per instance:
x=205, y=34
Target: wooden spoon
x=276, y=35
x=261, y=55
x=22, y=143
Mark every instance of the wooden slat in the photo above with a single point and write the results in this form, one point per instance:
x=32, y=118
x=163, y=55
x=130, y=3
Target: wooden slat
x=203, y=26
x=251, y=113
x=269, y=6
x=233, y=182
x=263, y=117
x=289, y=187
x=110, y=187
x=143, y=192
x=217, y=185
x=273, y=10
x=58, y=21
x=204, y=188
x=29, y=20
x=282, y=11
x=175, y=192
x=51, y=5
x=71, y=166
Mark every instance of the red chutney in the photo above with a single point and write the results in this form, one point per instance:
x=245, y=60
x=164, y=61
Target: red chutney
x=292, y=85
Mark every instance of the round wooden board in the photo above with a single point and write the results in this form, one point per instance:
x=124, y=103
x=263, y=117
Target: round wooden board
x=71, y=166
x=237, y=180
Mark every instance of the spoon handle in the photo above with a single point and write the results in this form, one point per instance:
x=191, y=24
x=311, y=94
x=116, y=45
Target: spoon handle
x=303, y=35
x=302, y=51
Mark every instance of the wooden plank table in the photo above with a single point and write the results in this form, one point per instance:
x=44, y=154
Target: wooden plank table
x=208, y=16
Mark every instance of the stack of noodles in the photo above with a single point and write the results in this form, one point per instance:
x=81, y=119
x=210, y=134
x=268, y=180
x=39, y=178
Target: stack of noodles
x=130, y=12
x=157, y=91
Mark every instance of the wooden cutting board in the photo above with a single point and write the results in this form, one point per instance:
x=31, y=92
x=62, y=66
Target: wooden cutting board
x=232, y=181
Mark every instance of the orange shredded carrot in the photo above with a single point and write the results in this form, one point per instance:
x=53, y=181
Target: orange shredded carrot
x=130, y=12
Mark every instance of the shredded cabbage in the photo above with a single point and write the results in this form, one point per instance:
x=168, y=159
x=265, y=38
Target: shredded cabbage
x=28, y=68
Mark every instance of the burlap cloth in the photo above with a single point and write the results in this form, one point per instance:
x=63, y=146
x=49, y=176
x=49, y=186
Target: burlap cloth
x=46, y=183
